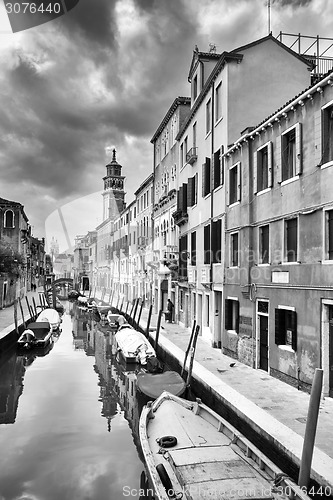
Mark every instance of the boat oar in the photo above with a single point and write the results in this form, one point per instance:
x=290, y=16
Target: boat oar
x=188, y=348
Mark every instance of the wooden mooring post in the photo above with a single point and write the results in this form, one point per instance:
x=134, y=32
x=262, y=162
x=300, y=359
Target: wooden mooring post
x=310, y=429
x=140, y=312
x=22, y=313
x=158, y=329
x=15, y=316
x=189, y=374
x=149, y=319
x=188, y=348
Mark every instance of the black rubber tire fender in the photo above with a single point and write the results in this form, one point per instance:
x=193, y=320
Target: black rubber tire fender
x=167, y=441
x=165, y=479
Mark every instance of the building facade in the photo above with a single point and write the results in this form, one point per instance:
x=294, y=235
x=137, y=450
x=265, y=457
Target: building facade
x=279, y=241
x=229, y=92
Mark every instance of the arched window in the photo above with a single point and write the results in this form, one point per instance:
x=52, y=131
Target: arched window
x=8, y=218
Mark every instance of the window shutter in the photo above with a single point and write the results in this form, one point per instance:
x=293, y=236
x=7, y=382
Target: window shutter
x=222, y=164
x=184, y=204
x=278, y=158
x=203, y=180
x=207, y=245
x=255, y=172
x=228, y=314
x=207, y=176
x=294, y=330
x=190, y=192
x=237, y=316
x=270, y=163
x=239, y=189
x=279, y=327
x=212, y=173
x=298, y=149
x=318, y=138
x=195, y=187
x=179, y=197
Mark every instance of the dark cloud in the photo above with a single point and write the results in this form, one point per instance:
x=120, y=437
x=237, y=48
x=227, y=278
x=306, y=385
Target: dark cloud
x=292, y=3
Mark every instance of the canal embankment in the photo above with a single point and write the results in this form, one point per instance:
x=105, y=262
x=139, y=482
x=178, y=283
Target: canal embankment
x=269, y=412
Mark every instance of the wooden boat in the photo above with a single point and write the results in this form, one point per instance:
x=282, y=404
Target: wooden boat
x=133, y=345
x=115, y=320
x=38, y=335
x=153, y=384
x=193, y=453
x=51, y=316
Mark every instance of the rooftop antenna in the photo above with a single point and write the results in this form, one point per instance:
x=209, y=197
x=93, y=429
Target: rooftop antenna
x=269, y=16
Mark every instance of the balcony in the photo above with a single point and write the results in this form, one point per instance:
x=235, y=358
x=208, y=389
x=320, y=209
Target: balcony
x=191, y=156
x=180, y=217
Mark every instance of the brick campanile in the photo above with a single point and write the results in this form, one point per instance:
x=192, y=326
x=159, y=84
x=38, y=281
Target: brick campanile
x=113, y=194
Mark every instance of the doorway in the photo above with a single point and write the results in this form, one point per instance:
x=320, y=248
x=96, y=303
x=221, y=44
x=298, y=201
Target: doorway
x=262, y=351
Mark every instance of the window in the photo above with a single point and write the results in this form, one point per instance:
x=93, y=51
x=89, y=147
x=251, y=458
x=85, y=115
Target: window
x=207, y=251
x=208, y=116
x=234, y=184
x=218, y=168
x=264, y=244
x=291, y=240
x=195, y=87
x=185, y=149
x=195, y=134
x=291, y=153
x=216, y=242
x=192, y=191
x=206, y=175
x=181, y=155
x=327, y=150
x=218, y=102
x=193, y=248
x=8, y=219
x=263, y=168
x=183, y=257
x=232, y=315
x=286, y=327
x=234, y=250
x=329, y=234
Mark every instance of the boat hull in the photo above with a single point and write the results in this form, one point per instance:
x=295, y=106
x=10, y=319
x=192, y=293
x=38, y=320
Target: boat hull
x=191, y=450
x=133, y=346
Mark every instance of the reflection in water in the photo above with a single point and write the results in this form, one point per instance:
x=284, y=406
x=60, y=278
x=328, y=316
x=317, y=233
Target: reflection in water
x=75, y=432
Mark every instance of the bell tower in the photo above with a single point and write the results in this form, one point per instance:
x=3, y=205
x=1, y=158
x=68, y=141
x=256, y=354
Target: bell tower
x=113, y=194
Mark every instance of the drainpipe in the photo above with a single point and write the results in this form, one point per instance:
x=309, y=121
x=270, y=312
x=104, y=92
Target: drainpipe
x=212, y=205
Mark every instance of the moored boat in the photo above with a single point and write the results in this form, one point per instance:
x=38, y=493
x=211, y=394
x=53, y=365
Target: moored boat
x=50, y=315
x=37, y=335
x=193, y=453
x=153, y=384
x=133, y=345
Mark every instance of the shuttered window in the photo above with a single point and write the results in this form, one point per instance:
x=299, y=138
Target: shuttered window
x=330, y=234
x=231, y=315
x=286, y=327
x=264, y=244
x=193, y=248
x=207, y=252
x=206, y=174
x=291, y=153
x=234, y=250
x=192, y=190
x=291, y=239
x=217, y=169
x=327, y=142
x=183, y=256
x=216, y=242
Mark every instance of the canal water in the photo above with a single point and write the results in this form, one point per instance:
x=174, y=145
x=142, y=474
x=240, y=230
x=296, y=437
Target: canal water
x=69, y=419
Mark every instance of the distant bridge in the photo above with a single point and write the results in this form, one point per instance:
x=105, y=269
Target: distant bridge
x=61, y=286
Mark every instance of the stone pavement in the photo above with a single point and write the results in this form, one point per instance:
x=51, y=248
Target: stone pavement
x=7, y=314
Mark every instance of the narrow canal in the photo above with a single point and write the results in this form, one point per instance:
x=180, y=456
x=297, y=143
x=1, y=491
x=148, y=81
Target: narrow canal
x=69, y=419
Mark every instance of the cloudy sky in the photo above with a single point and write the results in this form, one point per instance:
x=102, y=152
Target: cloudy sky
x=103, y=76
